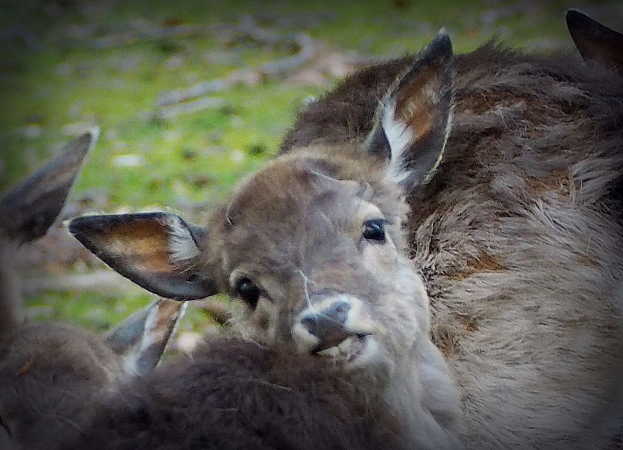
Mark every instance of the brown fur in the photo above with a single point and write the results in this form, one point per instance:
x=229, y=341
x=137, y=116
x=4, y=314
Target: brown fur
x=46, y=393
x=238, y=395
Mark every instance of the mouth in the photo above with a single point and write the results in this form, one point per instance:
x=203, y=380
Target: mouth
x=352, y=349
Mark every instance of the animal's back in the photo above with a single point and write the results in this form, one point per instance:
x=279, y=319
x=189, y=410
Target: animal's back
x=518, y=236
x=49, y=373
x=238, y=395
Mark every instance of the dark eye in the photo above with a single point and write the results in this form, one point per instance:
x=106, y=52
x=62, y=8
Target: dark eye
x=374, y=230
x=248, y=291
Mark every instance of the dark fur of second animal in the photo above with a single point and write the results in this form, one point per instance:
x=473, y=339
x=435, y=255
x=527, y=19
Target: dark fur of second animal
x=238, y=395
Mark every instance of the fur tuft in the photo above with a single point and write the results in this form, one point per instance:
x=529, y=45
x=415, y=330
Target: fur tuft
x=182, y=245
x=400, y=137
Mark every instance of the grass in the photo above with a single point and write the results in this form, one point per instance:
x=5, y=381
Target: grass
x=63, y=84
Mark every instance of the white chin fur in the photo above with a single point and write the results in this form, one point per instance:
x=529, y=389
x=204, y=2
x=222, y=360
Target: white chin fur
x=369, y=355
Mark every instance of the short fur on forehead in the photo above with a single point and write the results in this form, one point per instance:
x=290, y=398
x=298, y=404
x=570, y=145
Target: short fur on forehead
x=284, y=200
x=293, y=181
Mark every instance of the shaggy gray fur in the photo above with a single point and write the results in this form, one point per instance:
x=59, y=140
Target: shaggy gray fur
x=518, y=238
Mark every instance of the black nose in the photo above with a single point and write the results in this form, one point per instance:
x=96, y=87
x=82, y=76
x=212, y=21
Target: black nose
x=328, y=325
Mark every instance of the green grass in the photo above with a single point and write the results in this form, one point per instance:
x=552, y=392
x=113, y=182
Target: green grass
x=196, y=157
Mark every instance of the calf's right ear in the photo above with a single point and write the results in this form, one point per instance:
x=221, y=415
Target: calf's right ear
x=414, y=119
x=158, y=251
x=596, y=42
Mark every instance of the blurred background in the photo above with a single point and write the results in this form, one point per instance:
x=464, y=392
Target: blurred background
x=192, y=95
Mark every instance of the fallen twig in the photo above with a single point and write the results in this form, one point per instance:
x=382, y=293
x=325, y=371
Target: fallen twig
x=278, y=68
x=169, y=111
x=147, y=33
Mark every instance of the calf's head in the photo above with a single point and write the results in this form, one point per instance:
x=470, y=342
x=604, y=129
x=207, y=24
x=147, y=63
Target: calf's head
x=312, y=244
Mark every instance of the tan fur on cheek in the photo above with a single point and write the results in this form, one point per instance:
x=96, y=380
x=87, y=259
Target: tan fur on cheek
x=259, y=324
x=380, y=258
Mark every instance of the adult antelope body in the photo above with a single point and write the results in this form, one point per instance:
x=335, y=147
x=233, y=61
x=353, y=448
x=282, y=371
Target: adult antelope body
x=488, y=183
x=51, y=374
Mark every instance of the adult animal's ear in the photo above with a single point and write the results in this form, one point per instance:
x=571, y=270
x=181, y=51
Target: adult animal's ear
x=414, y=119
x=30, y=208
x=596, y=42
x=141, y=339
x=158, y=251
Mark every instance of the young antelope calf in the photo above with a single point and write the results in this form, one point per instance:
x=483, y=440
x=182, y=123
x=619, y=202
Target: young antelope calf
x=512, y=229
x=313, y=246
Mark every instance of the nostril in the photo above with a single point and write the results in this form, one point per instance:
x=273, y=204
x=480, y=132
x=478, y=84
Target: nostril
x=339, y=312
x=328, y=324
x=311, y=324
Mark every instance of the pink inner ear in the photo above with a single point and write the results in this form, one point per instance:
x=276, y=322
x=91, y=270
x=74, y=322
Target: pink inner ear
x=142, y=244
x=417, y=101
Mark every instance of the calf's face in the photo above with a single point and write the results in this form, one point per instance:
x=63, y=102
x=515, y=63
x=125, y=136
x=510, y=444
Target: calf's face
x=312, y=244
x=317, y=259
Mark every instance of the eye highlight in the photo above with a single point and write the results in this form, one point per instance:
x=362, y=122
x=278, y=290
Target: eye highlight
x=248, y=291
x=374, y=230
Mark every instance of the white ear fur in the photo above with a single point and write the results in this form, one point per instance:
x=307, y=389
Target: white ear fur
x=163, y=317
x=414, y=119
x=446, y=134
x=182, y=245
x=399, y=137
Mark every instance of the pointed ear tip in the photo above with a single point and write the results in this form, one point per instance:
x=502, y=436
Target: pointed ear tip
x=574, y=12
x=442, y=42
x=94, y=133
x=90, y=137
x=74, y=225
x=79, y=225
x=576, y=18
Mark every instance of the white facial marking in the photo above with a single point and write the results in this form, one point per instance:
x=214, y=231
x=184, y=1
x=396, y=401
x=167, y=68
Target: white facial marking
x=370, y=354
x=351, y=349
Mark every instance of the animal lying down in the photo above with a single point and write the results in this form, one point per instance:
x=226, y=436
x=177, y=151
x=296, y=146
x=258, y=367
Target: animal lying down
x=234, y=394
x=458, y=242
x=52, y=374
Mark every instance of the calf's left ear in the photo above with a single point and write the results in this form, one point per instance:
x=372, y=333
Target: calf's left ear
x=414, y=119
